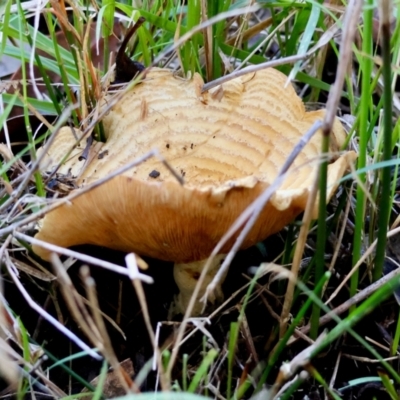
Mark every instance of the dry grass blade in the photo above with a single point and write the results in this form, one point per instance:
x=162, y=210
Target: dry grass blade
x=18, y=192
x=134, y=275
x=45, y=314
x=298, y=254
x=362, y=259
x=301, y=360
x=8, y=367
x=351, y=18
x=363, y=294
x=83, y=257
x=325, y=38
x=209, y=22
x=107, y=350
x=208, y=41
x=92, y=324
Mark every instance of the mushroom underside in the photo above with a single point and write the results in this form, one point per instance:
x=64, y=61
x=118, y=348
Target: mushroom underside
x=168, y=221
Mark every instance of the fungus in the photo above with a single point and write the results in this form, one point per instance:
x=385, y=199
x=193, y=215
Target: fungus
x=239, y=140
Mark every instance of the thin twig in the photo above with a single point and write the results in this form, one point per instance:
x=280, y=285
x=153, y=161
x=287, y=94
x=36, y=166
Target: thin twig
x=369, y=252
x=77, y=193
x=76, y=305
x=83, y=257
x=134, y=275
x=17, y=193
x=253, y=68
x=298, y=254
x=107, y=350
x=47, y=316
x=347, y=304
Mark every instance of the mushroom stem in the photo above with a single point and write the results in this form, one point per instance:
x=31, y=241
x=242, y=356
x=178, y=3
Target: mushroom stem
x=186, y=277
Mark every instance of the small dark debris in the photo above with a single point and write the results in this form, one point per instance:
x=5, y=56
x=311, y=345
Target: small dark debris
x=154, y=174
x=191, y=146
x=126, y=69
x=183, y=173
x=213, y=137
x=85, y=153
x=167, y=145
x=102, y=154
x=184, y=147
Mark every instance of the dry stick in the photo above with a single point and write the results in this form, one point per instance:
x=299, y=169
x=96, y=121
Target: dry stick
x=83, y=257
x=334, y=374
x=49, y=318
x=134, y=274
x=4, y=246
x=253, y=68
x=248, y=216
x=369, y=360
x=36, y=113
x=349, y=303
x=301, y=241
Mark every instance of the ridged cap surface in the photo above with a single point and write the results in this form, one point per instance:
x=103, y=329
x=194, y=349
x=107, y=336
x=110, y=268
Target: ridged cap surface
x=227, y=145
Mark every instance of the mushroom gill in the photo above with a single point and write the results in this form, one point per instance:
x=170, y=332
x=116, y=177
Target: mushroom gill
x=227, y=145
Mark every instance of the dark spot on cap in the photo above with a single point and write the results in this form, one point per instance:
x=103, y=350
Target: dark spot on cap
x=195, y=275
x=102, y=154
x=154, y=174
x=191, y=146
x=167, y=145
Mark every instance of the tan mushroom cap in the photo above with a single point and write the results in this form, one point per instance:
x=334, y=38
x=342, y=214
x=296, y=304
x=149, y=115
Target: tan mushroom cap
x=228, y=146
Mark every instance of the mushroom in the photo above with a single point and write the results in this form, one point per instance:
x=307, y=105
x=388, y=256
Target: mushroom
x=228, y=146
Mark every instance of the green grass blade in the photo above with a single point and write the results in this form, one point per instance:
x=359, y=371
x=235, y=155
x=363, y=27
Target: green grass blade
x=366, y=67
x=307, y=36
x=233, y=336
x=385, y=197
x=321, y=233
x=202, y=370
x=5, y=15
